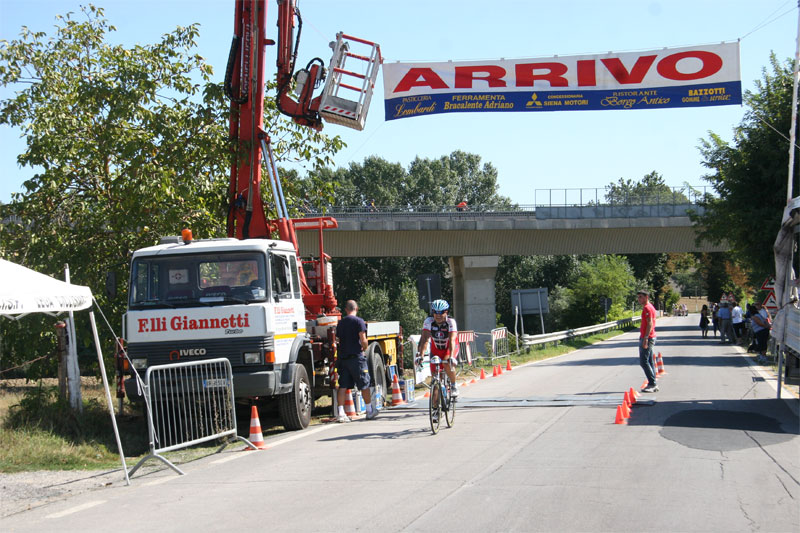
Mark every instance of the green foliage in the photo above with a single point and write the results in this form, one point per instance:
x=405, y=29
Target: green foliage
x=127, y=145
x=374, y=305
x=405, y=308
x=671, y=298
x=651, y=190
x=749, y=175
x=607, y=276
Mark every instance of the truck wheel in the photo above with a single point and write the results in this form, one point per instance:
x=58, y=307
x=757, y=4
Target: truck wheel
x=377, y=370
x=295, y=407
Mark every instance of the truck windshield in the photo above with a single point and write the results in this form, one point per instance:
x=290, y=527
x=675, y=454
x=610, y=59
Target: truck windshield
x=197, y=280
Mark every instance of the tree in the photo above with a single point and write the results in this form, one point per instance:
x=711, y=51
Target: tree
x=605, y=276
x=749, y=175
x=127, y=145
x=650, y=190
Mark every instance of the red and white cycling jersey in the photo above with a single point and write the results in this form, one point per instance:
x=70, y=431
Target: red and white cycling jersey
x=440, y=336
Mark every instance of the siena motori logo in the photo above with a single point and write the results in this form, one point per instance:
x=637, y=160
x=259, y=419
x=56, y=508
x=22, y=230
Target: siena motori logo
x=175, y=355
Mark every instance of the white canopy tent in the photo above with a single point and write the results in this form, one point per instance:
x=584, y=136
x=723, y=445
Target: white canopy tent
x=24, y=291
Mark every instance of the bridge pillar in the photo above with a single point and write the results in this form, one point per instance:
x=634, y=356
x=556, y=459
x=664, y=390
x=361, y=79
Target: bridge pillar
x=473, y=294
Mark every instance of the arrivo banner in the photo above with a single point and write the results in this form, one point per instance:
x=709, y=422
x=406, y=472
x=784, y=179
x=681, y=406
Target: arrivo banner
x=691, y=76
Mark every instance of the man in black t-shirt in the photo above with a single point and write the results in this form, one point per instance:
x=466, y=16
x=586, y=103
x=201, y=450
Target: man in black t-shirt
x=351, y=363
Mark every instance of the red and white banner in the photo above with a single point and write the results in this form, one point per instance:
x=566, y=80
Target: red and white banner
x=692, y=76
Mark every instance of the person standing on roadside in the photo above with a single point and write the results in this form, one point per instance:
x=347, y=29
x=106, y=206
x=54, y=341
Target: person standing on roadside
x=725, y=325
x=647, y=340
x=704, y=321
x=761, y=326
x=738, y=321
x=351, y=363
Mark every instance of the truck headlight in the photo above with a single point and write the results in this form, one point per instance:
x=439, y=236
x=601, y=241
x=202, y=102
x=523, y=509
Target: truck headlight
x=139, y=364
x=252, y=358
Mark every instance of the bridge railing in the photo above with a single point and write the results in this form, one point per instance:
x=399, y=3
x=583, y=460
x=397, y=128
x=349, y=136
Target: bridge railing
x=550, y=203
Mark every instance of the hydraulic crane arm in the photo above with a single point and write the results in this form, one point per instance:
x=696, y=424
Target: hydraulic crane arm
x=244, y=86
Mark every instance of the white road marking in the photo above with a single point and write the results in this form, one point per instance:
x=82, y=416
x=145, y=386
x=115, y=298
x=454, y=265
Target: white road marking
x=77, y=508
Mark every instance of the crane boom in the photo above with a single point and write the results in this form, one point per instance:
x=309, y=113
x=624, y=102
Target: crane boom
x=244, y=86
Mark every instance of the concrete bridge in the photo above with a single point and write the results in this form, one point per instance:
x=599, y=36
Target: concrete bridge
x=474, y=240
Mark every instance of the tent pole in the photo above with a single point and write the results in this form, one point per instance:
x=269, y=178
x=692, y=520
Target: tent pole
x=108, y=396
x=73, y=370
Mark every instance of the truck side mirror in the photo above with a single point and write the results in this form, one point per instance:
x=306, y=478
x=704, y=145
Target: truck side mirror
x=111, y=285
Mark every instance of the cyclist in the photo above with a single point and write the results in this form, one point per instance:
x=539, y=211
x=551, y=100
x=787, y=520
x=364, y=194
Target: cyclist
x=443, y=331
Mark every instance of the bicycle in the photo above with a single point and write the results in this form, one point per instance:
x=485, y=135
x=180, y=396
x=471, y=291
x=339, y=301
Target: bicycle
x=441, y=399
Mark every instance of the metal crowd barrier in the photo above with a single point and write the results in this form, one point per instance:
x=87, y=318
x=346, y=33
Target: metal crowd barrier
x=500, y=344
x=187, y=404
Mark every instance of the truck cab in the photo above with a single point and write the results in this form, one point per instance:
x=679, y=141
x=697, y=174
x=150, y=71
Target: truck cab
x=241, y=300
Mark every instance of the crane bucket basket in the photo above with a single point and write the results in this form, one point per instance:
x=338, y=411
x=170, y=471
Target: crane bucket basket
x=350, y=108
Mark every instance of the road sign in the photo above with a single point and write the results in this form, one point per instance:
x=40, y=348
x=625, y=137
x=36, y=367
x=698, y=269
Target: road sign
x=530, y=301
x=768, y=285
x=770, y=302
x=429, y=288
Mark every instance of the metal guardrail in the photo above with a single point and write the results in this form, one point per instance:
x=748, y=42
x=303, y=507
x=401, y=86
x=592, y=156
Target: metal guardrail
x=533, y=340
x=187, y=404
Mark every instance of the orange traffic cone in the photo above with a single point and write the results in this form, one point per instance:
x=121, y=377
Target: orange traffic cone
x=494, y=371
x=632, y=394
x=620, y=419
x=427, y=394
x=625, y=411
x=627, y=399
x=349, y=405
x=499, y=370
x=473, y=381
x=397, y=396
x=256, y=437
x=508, y=364
x=483, y=374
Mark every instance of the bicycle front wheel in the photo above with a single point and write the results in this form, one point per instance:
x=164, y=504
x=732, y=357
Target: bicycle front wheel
x=435, y=406
x=449, y=408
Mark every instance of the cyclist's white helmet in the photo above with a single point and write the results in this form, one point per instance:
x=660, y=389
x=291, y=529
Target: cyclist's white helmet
x=439, y=306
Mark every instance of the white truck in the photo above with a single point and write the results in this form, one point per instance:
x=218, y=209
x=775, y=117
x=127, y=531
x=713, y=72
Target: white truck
x=242, y=300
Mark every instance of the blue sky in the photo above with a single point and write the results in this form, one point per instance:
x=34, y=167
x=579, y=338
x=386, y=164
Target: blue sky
x=583, y=149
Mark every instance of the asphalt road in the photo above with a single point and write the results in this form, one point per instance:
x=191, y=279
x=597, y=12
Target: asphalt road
x=714, y=452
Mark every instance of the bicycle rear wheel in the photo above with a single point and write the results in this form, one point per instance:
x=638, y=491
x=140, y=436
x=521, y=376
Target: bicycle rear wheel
x=435, y=406
x=449, y=408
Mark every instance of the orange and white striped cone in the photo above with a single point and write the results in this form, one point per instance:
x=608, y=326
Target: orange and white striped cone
x=660, y=365
x=397, y=396
x=349, y=405
x=256, y=436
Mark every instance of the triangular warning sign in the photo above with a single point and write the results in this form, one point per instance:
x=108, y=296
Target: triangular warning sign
x=770, y=302
x=768, y=284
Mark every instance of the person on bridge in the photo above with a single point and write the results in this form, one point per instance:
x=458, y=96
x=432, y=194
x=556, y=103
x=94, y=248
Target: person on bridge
x=647, y=340
x=442, y=329
x=351, y=363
